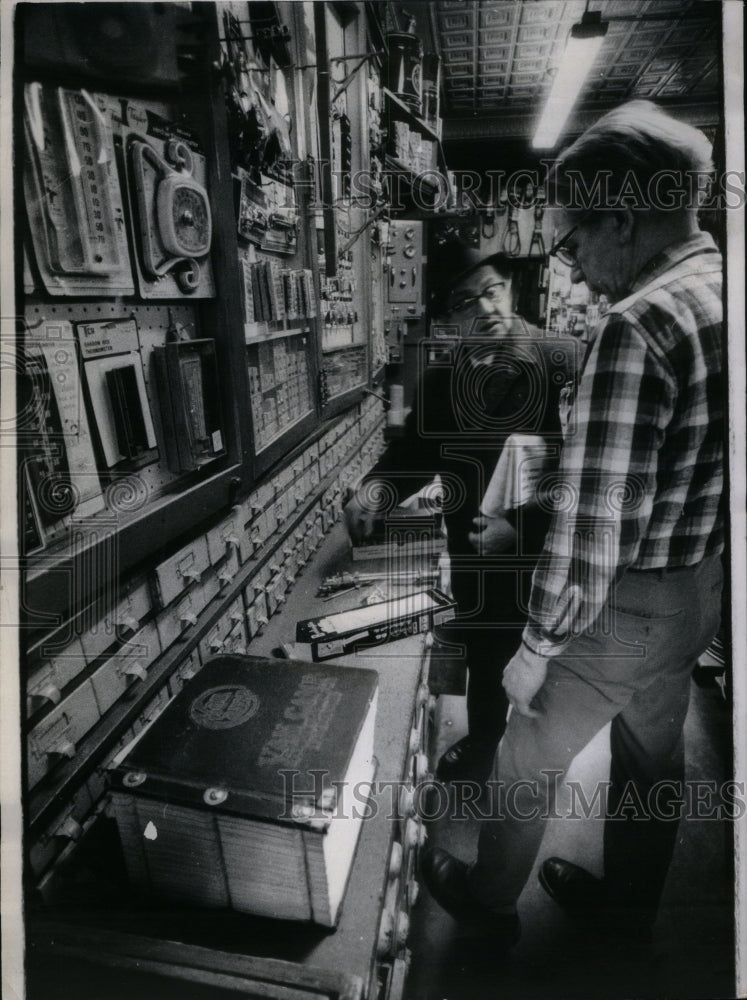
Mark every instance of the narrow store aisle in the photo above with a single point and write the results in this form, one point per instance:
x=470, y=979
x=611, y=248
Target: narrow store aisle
x=692, y=952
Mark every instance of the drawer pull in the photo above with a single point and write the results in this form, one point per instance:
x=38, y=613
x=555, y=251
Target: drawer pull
x=135, y=671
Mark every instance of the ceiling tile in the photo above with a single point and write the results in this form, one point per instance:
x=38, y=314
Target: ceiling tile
x=516, y=41
x=659, y=66
x=529, y=65
x=490, y=52
x=460, y=70
x=525, y=79
x=668, y=6
x=495, y=37
x=706, y=83
x=672, y=88
x=536, y=32
x=493, y=69
x=534, y=13
x=452, y=56
x=650, y=79
x=674, y=50
x=646, y=90
x=625, y=69
x=493, y=16
x=533, y=50
x=638, y=54
x=455, y=22
x=455, y=41
x=649, y=38
x=690, y=32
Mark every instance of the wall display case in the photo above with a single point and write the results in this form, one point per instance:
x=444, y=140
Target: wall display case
x=204, y=254
x=340, y=139
x=124, y=221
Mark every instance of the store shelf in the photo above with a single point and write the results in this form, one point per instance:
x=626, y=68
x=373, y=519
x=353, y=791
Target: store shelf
x=258, y=333
x=405, y=114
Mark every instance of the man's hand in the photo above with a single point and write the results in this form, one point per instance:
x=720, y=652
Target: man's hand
x=493, y=535
x=522, y=679
x=359, y=520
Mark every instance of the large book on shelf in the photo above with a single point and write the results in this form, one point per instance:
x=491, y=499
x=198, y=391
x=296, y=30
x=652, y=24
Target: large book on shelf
x=250, y=790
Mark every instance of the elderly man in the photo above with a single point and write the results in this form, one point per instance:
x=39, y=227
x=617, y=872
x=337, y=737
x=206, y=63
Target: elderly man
x=497, y=377
x=627, y=592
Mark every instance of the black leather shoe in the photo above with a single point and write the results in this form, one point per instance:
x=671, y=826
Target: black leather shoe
x=585, y=898
x=572, y=887
x=446, y=879
x=466, y=760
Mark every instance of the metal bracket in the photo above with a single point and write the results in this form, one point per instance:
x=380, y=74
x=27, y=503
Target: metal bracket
x=351, y=75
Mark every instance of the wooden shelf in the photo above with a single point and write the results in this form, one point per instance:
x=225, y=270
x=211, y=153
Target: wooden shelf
x=406, y=114
x=258, y=333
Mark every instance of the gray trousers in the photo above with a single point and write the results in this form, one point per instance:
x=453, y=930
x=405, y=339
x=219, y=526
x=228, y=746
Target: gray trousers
x=636, y=674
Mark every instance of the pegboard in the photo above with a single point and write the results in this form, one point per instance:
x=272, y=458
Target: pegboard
x=128, y=491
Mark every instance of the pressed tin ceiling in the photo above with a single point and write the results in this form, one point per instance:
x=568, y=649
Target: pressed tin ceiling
x=499, y=56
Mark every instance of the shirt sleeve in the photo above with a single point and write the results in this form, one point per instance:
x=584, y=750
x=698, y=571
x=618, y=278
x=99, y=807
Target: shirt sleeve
x=603, y=493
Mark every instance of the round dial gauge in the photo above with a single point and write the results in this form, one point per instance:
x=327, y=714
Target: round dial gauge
x=184, y=221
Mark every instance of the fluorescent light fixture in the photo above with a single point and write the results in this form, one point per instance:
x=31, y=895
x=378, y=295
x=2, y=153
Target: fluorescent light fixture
x=584, y=43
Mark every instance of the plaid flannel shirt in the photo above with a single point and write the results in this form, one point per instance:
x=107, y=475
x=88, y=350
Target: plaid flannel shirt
x=641, y=471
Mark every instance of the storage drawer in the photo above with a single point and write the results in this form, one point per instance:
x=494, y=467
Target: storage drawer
x=223, y=539
x=64, y=828
x=188, y=667
x=55, y=737
x=181, y=570
x=49, y=676
x=175, y=622
x=126, y=668
x=125, y=619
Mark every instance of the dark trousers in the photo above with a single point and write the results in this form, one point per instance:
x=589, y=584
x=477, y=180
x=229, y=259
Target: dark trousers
x=636, y=675
x=488, y=630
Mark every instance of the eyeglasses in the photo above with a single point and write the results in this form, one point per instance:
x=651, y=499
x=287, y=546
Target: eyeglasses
x=565, y=254
x=493, y=293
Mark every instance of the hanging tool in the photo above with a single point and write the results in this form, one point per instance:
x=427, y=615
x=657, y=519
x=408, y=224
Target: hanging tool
x=512, y=240
x=538, y=241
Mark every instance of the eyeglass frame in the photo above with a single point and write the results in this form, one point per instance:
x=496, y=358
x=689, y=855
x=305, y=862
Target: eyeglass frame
x=559, y=247
x=462, y=304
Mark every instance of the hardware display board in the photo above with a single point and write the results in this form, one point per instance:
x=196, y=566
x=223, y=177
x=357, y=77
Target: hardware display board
x=341, y=138
x=192, y=359
x=280, y=294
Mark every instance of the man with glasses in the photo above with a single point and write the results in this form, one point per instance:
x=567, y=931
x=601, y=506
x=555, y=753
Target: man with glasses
x=627, y=592
x=495, y=376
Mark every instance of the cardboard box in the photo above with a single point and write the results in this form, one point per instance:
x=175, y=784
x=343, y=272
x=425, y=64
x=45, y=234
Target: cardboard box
x=374, y=624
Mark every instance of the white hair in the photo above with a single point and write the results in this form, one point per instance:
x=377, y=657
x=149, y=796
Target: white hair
x=639, y=149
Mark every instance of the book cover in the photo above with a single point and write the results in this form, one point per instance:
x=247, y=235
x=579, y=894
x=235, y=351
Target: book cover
x=241, y=721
